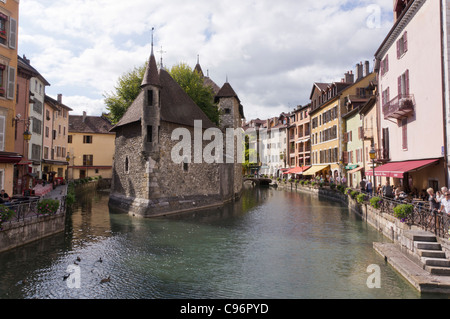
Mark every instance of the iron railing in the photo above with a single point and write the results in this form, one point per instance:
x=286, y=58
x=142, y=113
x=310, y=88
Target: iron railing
x=28, y=210
x=422, y=216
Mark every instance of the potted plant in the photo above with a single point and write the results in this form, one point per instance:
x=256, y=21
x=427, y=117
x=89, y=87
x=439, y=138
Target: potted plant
x=376, y=202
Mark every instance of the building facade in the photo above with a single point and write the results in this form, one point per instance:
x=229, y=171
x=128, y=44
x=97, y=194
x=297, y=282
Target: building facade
x=90, y=147
x=56, y=123
x=9, y=17
x=410, y=85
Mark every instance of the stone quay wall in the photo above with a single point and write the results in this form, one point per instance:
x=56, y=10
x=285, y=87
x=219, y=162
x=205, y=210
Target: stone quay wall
x=16, y=234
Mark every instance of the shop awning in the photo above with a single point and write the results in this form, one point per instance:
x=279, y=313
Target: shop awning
x=10, y=158
x=356, y=170
x=397, y=169
x=297, y=170
x=315, y=169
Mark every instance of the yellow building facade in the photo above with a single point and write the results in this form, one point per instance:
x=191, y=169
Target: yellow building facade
x=9, y=26
x=325, y=130
x=91, y=147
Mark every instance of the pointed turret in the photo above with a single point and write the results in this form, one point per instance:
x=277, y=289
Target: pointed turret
x=151, y=76
x=198, y=68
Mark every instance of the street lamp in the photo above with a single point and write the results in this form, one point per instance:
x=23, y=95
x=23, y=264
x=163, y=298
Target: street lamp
x=373, y=155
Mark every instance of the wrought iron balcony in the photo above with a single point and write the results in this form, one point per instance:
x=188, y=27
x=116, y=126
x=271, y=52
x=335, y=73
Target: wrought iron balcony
x=400, y=107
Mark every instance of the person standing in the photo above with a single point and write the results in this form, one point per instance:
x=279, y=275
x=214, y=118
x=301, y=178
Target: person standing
x=432, y=199
x=369, y=187
x=445, y=203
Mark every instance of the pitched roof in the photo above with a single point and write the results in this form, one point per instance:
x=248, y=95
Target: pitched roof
x=89, y=124
x=24, y=64
x=227, y=91
x=176, y=105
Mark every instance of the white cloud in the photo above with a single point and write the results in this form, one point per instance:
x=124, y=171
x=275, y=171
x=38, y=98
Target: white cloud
x=271, y=52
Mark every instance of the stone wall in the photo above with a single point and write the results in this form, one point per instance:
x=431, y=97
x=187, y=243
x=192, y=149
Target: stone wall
x=157, y=185
x=20, y=233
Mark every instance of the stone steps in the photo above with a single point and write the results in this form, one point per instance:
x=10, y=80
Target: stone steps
x=431, y=255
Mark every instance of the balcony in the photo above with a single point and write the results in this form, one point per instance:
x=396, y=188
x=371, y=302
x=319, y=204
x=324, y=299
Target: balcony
x=400, y=107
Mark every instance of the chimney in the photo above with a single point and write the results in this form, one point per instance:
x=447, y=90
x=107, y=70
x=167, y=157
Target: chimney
x=367, y=68
x=25, y=59
x=349, y=77
x=84, y=116
x=359, y=71
x=60, y=98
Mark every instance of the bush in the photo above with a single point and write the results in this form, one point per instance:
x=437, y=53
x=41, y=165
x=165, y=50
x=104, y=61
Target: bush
x=353, y=194
x=5, y=214
x=362, y=198
x=403, y=210
x=332, y=186
x=48, y=207
x=376, y=202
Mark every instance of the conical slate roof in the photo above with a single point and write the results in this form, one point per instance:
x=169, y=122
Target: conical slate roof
x=227, y=91
x=151, y=73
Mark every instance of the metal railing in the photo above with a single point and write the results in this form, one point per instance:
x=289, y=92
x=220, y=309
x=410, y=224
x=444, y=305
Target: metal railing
x=28, y=210
x=422, y=215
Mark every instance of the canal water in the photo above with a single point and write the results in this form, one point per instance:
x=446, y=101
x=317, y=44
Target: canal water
x=271, y=244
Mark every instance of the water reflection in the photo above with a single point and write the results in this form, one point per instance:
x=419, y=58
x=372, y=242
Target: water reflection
x=270, y=244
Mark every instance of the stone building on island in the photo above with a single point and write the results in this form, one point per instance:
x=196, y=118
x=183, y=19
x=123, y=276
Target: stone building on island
x=146, y=180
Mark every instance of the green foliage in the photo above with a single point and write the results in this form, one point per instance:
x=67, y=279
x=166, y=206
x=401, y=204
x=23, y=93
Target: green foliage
x=362, y=198
x=353, y=194
x=376, y=202
x=192, y=83
x=332, y=186
x=128, y=88
x=70, y=198
x=403, y=210
x=5, y=214
x=47, y=207
x=126, y=91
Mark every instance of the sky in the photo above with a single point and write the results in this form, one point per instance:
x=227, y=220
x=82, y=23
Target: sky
x=271, y=52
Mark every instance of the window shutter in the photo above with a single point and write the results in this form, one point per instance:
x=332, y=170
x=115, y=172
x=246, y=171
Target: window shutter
x=345, y=157
x=12, y=33
x=2, y=133
x=399, y=80
x=405, y=134
x=405, y=41
x=407, y=82
x=398, y=49
x=11, y=82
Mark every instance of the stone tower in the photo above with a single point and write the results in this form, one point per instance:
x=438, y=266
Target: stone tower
x=150, y=125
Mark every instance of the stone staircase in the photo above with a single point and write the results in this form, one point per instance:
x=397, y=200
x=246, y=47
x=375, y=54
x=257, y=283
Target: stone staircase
x=431, y=256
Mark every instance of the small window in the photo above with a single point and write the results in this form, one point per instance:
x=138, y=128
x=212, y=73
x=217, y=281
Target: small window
x=127, y=165
x=150, y=97
x=87, y=139
x=227, y=111
x=69, y=139
x=149, y=133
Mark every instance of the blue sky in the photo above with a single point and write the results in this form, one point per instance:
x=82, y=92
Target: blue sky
x=272, y=52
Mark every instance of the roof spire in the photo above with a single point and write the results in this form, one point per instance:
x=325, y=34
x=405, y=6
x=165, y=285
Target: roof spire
x=161, y=52
x=153, y=29
x=151, y=76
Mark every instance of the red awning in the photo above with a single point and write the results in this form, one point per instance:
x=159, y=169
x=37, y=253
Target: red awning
x=397, y=169
x=297, y=170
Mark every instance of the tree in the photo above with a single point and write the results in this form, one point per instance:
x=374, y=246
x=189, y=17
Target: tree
x=192, y=83
x=128, y=88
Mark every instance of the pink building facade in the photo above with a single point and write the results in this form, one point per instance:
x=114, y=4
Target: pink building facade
x=411, y=105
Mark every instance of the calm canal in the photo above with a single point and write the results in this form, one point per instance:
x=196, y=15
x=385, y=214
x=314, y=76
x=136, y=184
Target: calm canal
x=271, y=244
